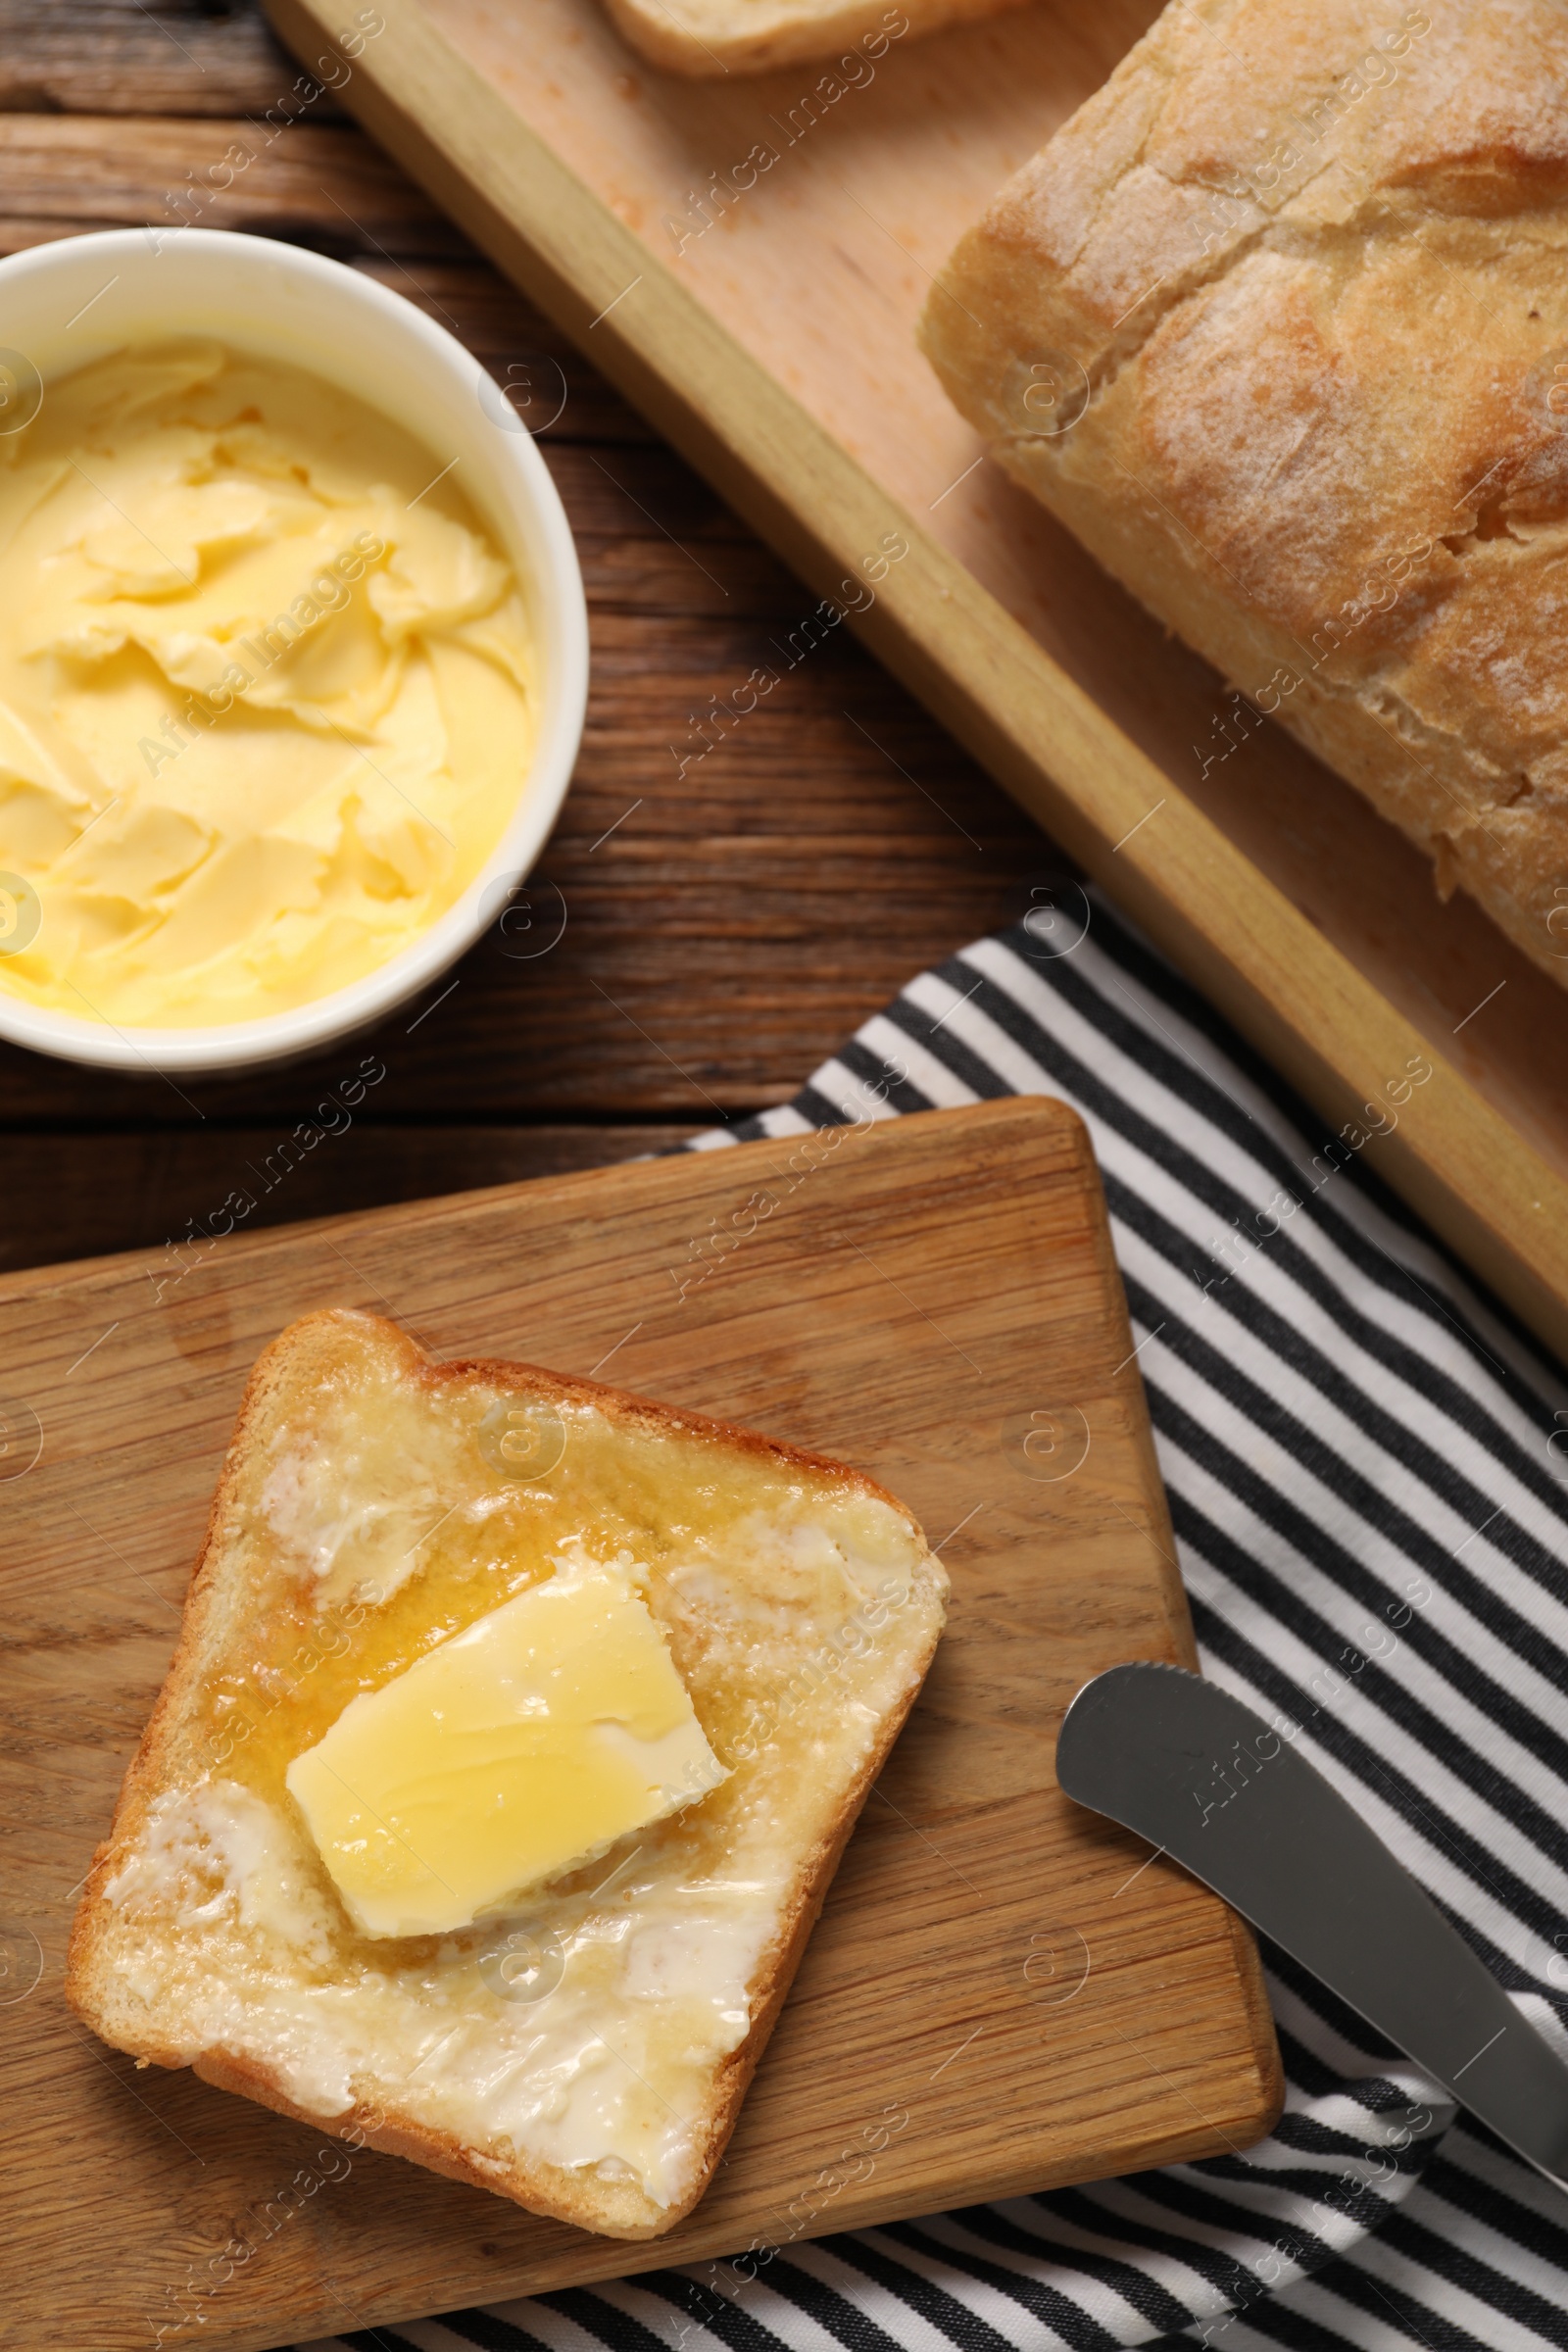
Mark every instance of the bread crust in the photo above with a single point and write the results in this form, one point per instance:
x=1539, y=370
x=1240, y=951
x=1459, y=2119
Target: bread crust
x=707, y=40
x=1278, y=327
x=613, y=2208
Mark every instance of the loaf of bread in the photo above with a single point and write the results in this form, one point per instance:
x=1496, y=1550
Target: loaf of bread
x=707, y=40
x=1277, y=325
x=583, y=2051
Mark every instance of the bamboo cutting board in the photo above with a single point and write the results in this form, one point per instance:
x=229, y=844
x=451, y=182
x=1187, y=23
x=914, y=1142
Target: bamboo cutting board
x=997, y=1997
x=763, y=316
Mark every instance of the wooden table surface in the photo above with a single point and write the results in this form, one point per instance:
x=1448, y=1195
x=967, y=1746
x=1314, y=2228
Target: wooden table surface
x=729, y=931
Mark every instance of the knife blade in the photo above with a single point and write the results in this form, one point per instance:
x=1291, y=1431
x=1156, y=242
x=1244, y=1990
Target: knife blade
x=1212, y=1785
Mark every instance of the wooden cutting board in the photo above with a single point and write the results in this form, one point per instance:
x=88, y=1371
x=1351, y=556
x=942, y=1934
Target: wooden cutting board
x=1003, y=1992
x=747, y=259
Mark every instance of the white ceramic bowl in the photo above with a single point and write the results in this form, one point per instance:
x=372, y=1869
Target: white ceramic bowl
x=65, y=305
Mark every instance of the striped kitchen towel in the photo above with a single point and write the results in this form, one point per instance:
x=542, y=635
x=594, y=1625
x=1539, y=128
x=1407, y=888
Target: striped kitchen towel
x=1367, y=1465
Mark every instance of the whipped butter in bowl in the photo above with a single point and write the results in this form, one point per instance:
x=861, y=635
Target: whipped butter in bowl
x=292, y=651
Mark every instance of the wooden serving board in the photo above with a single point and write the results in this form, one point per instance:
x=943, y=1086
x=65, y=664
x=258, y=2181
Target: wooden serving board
x=776, y=347
x=994, y=1965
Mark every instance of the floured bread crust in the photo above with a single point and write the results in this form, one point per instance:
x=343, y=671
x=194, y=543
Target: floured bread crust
x=364, y=1515
x=1278, y=325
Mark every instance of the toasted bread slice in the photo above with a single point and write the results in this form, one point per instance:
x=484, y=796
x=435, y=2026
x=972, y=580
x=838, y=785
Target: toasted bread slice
x=707, y=39
x=585, y=2050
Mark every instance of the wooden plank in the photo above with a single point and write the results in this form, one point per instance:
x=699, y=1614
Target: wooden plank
x=120, y=57
x=319, y=184
x=987, y=1964
x=795, y=389
x=87, y=1192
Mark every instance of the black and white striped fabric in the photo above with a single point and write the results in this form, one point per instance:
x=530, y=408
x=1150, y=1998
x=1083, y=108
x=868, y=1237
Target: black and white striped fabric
x=1373, y=1522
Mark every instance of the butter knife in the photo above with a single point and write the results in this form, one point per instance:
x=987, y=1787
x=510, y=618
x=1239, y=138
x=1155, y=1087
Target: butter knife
x=1211, y=1784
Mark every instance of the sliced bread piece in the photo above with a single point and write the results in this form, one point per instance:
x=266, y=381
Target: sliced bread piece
x=706, y=40
x=582, y=2049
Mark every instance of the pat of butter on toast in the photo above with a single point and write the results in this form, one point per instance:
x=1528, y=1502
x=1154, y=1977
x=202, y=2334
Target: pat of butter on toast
x=520, y=1748
x=515, y=1732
